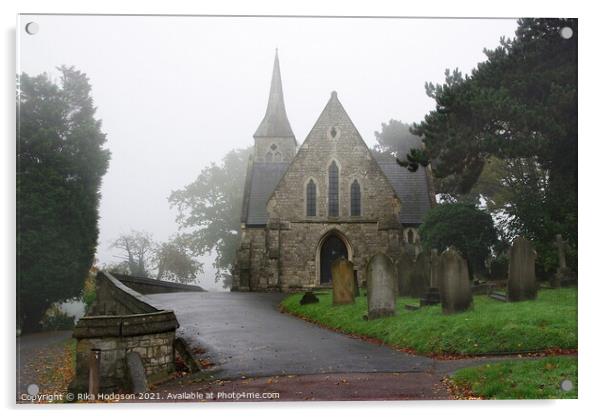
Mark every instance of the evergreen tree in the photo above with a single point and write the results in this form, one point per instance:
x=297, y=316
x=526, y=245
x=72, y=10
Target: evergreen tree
x=519, y=106
x=60, y=164
x=462, y=226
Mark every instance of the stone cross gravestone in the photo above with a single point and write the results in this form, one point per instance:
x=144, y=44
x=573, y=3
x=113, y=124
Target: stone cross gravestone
x=521, y=271
x=420, y=276
x=563, y=272
x=343, y=283
x=454, y=282
x=382, y=286
x=405, y=266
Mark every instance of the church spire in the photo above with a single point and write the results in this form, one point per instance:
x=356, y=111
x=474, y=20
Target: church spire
x=275, y=122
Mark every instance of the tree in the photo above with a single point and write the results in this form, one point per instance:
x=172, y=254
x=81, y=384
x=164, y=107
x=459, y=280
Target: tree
x=396, y=138
x=60, y=164
x=137, y=248
x=519, y=106
x=209, y=210
x=175, y=263
x=462, y=226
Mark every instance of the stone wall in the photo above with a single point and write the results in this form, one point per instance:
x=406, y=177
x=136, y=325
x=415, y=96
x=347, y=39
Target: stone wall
x=120, y=321
x=148, y=286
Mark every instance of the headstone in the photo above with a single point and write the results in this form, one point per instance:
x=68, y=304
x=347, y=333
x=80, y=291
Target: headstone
x=563, y=272
x=381, y=286
x=309, y=298
x=343, y=284
x=454, y=282
x=434, y=269
x=521, y=271
x=420, y=276
x=405, y=266
x=356, y=284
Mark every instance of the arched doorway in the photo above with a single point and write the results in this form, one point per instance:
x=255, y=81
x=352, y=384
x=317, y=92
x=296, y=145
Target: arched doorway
x=332, y=249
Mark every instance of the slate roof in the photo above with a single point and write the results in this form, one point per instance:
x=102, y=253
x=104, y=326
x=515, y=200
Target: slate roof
x=263, y=180
x=411, y=188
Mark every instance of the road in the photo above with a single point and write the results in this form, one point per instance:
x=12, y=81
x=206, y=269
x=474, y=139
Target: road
x=245, y=335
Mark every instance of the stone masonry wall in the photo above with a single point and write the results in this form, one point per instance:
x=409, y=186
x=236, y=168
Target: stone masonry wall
x=121, y=321
x=155, y=350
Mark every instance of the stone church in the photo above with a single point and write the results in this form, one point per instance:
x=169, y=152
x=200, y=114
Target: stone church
x=331, y=197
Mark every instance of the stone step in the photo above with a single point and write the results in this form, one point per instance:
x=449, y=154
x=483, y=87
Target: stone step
x=412, y=307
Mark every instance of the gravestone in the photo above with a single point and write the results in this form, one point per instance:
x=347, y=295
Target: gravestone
x=309, y=298
x=563, y=272
x=454, y=282
x=405, y=266
x=382, y=284
x=434, y=269
x=343, y=286
x=521, y=271
x=356, y=284
x=420, y=276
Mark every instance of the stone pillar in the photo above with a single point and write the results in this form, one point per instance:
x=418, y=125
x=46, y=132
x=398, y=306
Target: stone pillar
x=456, y=295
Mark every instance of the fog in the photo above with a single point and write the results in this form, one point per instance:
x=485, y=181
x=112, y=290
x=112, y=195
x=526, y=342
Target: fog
x=176, y=93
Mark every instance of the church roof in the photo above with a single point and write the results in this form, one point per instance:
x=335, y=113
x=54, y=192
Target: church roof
x=411, y=188
x=275, y=122
x=263, y=180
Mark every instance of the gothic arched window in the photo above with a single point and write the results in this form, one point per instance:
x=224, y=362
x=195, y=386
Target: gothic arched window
x=333, y=190
x=277, y=157
x=269, y=157
x=356, y=199
x=410, y=236
x=310, y=198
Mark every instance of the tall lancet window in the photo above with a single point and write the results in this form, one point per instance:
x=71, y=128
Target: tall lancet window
x=310, y=198
x=356, y=199
x=333, y=190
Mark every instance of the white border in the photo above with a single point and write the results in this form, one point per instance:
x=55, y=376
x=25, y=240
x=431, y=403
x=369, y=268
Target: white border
x=590, y=154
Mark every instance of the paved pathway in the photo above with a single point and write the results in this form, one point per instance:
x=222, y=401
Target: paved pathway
x=36, y=353
x=245, y=335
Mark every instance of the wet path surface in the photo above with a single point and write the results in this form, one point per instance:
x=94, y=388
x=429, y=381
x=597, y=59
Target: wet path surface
x=245, y=335
x=35, y=354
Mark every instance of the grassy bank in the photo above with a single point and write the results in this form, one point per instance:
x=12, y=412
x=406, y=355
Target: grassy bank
x=533, y=379
x=550, y=322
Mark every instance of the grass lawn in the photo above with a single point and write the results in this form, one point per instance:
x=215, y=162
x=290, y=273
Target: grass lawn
x=526, y=379
x=549, y=322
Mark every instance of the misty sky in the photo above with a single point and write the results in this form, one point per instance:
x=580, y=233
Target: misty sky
x=176, y=93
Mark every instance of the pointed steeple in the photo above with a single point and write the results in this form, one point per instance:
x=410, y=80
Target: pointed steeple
x=275, y=122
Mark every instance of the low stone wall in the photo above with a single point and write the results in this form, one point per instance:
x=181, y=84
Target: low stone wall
x=120, y=321
x=148, y=286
